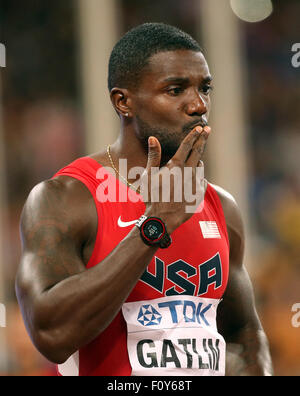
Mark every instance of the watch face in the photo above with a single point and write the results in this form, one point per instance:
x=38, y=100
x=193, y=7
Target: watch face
x=153, y=229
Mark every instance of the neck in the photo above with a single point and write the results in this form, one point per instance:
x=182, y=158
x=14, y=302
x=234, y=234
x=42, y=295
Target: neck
x=131, y=150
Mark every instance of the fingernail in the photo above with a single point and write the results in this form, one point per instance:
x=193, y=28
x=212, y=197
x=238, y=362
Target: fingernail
x=207, y=129
x=199, y=129
x=151, y=142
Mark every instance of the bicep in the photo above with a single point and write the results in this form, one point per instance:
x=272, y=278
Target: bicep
x=47, y=263
x=237, y=309
x=51, y=245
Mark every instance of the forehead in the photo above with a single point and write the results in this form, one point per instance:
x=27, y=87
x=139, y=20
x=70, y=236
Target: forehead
x=179, y=64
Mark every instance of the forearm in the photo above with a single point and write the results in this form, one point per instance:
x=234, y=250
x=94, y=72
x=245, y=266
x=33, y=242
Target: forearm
x=77, y=309
x=248, y=354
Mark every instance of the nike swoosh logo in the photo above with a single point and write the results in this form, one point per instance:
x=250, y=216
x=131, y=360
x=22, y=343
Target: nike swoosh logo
x=124, y=224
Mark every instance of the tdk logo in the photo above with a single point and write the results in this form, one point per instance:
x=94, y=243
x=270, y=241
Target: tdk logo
x=176, y=311
x=148, y=316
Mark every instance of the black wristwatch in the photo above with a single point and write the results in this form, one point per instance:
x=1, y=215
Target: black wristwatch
x=154, y=232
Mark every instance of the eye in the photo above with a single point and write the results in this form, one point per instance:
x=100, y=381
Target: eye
x=207, y=88
x=175, y=91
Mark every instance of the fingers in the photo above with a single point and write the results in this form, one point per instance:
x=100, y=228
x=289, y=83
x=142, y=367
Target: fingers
x=187, y=144
x=198, y=148
x=189, y=153
x=154, y=153
x=192, y=147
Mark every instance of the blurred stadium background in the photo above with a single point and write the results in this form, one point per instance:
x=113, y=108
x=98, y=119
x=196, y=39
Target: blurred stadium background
x=54, y=107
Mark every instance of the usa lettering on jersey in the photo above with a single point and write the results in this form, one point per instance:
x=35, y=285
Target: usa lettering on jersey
x=210, y=273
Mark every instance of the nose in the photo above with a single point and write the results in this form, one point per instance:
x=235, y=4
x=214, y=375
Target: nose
x=197, y=105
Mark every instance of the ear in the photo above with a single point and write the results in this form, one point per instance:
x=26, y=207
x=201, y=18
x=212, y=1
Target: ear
x=121, y=101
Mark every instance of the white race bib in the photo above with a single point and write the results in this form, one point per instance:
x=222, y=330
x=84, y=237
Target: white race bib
x=175, y=335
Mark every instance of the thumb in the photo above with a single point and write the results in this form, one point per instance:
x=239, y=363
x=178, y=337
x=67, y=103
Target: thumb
x=154, y=153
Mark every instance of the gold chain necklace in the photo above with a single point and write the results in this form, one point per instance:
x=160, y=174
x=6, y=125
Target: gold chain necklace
x=116, y=170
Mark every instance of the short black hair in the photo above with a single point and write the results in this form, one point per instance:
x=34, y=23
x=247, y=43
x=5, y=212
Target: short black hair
x=131, y=54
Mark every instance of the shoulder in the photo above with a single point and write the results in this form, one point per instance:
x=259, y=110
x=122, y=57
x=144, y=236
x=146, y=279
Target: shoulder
x=230, y=207
x=64, y=202
x=60, y=194
x=233, y=218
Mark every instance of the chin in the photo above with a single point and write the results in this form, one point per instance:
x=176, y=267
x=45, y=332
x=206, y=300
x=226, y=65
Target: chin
x=168, y=153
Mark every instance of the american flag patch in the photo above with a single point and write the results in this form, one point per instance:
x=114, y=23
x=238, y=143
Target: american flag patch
x=209, y=229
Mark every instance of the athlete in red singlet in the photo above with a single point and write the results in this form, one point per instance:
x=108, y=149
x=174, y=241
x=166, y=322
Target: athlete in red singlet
x=142, y=286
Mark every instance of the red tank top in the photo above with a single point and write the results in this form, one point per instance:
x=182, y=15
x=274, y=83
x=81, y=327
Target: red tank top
x=196, y=263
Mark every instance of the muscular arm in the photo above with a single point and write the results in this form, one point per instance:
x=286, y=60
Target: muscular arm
x=64, y=305
x=247, y=345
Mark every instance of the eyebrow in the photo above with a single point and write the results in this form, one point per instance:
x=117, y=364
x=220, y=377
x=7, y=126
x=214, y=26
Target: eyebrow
x=185, y=80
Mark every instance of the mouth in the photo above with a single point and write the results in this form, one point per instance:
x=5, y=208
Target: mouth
x=200, y=123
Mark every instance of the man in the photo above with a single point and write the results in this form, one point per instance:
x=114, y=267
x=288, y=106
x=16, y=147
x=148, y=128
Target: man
x=142, y=287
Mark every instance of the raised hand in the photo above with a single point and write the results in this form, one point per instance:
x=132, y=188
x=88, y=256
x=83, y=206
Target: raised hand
x=168, y=191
